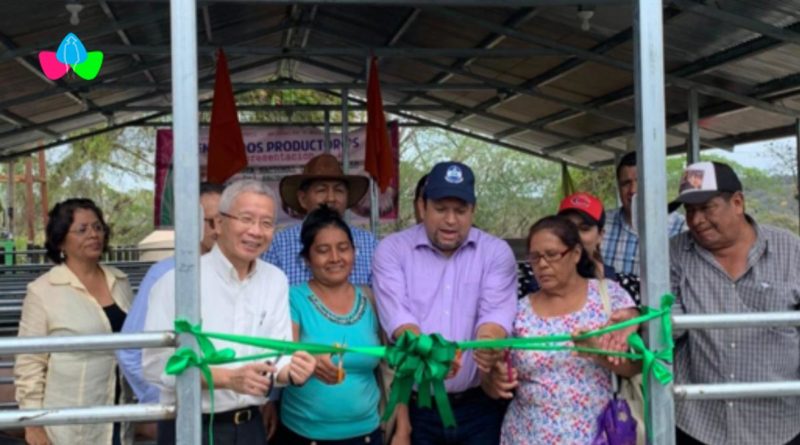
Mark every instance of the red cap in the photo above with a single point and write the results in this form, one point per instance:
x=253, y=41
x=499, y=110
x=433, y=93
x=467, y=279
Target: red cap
x=586, y=203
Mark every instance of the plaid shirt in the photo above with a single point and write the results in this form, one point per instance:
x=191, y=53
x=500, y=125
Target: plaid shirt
x=285, y=254
x=620, y=247
x=770, y=283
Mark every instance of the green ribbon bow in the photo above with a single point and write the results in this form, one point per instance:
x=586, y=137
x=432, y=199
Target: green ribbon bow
x=425, y=360
x=186, y=357
x=654, y=362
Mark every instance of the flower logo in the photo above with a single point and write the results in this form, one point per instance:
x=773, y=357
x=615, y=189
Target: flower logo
x=71, y=54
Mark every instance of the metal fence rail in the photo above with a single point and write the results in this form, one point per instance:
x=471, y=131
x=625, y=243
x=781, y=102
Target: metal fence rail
x=734, y=321
x=743, y=390
x=91, y=414
x=29, y=345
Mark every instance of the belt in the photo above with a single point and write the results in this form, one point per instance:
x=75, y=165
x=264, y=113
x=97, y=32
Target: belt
x=236, y=417
x=456, y=398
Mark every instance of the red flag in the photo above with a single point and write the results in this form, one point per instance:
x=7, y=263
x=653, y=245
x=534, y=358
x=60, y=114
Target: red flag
x=226, y=153
x=379, y=162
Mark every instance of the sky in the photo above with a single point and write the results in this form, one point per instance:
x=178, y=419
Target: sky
x=755, y=154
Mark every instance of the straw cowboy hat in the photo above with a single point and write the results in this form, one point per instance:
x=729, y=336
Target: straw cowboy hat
x=322, y=167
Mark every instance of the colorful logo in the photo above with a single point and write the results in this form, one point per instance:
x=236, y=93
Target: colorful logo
x=71, y=53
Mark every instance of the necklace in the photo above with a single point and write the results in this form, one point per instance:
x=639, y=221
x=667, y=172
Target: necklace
x=359, y=306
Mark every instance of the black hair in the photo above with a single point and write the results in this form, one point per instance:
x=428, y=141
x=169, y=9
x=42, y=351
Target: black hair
x=629, y=160
x=420, y=187
x=59, y=221
x=568, y=233
x=207, y=188
x=317, y=220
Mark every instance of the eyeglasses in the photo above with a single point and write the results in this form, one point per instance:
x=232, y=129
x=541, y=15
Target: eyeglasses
x=249, y=221
x=83, y=229
x=548, y=257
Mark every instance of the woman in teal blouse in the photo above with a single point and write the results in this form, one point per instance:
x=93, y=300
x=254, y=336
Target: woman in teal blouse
x=339, y=404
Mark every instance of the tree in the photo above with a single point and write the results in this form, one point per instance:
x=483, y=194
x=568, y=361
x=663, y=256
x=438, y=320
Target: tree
x=114, y=169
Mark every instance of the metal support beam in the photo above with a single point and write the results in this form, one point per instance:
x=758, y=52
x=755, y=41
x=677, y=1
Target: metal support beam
x=744, y=390
x=183, y=27
x=474, y=3
x=484, y=138
x=652, y=197
x=97, y=414
x=693, y=141
x=739, y=21
x=694, y=68
x=468, y=20
x=334, y=51
x=132, y=100
x=345, y=130
x=517, y=19
x=283, y=108
x=797, y=164
x=564, y=68
x=458, y=108
x=124, y=37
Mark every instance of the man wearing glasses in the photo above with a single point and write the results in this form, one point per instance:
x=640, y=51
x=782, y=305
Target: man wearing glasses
x=242, y=295
x=322, y=182
x=445, y=276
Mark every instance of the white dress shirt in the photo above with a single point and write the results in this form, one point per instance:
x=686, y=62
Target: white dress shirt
x=256, y=306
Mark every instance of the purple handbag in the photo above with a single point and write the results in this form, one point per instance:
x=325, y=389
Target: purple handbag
x=616, y=425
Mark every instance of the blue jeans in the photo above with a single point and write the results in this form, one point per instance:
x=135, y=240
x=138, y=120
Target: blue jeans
x=478, y=422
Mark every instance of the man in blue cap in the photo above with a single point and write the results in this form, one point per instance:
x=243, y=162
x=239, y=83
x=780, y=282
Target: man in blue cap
x=445, y=276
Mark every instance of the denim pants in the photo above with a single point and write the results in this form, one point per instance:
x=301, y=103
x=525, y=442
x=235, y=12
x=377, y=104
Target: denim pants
x=478, y=421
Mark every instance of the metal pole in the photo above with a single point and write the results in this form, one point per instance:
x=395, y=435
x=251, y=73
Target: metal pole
x=345, y=137
x=693, y=152
x=734, y=321
x=34, y=345
x=744, y=390
x=374, y=207
x=10, y=199
x=183, y=25
x=652, y=193
x=98, y=414
x=327, y=131
x=797, y=160
x=345, y=130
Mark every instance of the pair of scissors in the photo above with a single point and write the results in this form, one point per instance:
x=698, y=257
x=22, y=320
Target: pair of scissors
x=273, y=362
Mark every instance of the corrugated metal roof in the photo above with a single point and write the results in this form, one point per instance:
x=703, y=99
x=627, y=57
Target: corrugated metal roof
x=558, y=105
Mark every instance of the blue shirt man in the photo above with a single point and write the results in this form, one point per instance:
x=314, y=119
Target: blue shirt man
x=130, y=360
x=620, y=246
x=322, y=183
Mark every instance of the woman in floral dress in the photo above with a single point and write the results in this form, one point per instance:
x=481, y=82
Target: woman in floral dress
x=559, y=395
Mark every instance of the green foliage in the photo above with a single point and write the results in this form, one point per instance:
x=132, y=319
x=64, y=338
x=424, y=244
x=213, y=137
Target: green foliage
x=513, y=189
x=114, y=169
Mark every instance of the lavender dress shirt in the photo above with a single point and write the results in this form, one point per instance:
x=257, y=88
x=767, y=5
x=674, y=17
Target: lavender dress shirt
x=415, y=284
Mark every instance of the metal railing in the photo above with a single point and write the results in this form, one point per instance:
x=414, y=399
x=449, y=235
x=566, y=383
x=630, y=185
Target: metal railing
x=90, y=414
x=737, y=390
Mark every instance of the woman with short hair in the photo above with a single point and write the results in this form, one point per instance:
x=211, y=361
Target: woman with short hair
x=78, y=296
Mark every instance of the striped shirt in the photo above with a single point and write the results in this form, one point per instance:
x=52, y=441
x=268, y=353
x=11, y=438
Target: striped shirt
x=620, y=246
x=284, y=252
x=770, y=283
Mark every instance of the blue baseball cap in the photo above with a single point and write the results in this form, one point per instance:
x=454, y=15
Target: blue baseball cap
x=451, y=180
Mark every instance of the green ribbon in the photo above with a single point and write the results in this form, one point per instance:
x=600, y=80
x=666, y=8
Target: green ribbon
x=653, y=363
x=425, y=359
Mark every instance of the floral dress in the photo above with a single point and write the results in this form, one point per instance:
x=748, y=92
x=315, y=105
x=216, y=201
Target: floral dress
x=560, y=396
